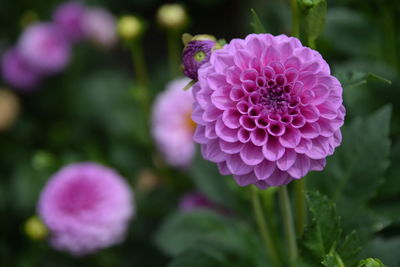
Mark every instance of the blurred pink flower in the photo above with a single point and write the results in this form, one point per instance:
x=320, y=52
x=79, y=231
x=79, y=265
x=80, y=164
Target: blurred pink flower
x=44, y=47
x=86, y=207
x=172, y=124
x=99, y=25
x=17, y=72
x=268, y=110
x=68, y=16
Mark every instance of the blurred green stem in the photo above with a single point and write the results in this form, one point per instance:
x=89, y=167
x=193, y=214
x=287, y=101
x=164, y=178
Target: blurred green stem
x=141, y=73
x=300, y=203
x=288, y=225
x=174, y=52
x=263, y=228
x=295, y=19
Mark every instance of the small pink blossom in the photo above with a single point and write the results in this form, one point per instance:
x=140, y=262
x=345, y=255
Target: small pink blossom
x=99, y=25
x=172, y=124
x=86, y=207
x=68, y=16
x=268, y=110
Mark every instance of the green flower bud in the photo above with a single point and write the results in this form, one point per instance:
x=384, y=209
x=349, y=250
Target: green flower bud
x=172, y=16
x=130, y=28
x=35, y=229
x=371, y=262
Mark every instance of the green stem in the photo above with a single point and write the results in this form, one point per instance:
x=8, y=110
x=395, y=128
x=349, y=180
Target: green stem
x=263, y=228
x=288, y=225
x=174, y=52
x=141, y=71
x=301, y=212
x=295, y=19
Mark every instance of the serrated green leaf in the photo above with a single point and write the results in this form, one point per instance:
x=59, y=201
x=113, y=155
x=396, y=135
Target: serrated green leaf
x=356, y=170
x=370, y=262
x=349, y=249
x=256, y=24
x=324, y=231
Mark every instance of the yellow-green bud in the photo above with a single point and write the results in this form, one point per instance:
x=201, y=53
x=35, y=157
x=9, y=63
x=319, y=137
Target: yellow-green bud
x=130, y=27
x=371, y=262
x=35, y=229
x=172, y=16
x=9, y=108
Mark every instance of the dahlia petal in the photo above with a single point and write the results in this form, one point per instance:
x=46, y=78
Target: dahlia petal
x=231, y=118
x=221, y=61
x=321, y=93
x=308, y=79
x=327, y=127
x=197, y=114
x=236, y=94
x=304, y=53
x=236, y=165
x=255, y=64
x=273, y=150
x=327, y=111
x=287, y=160
x=319, y=149
x=216, y=80
x=270, y=55
x=211, y=114
x=247, y=123
x=262, y=185
x=310, y=130
x=259, y=137
x=293, y=62
x=311, y=113
x=220, y=98
x=337, y=138
x=304, y=146
x=225, y=133
x=212, y=152
x=278, y=178
x=243, y=135
x=300, y=168
x=254, y=44
x=223, y=169
x=242, y=58
x=317, y=164
x=291, y=138
x=277, y=67
x=251, y=154
x=246, y=179
x=291, y=75
x=264, y=169
x=230, y=148
x=232, y=75
x=199, y=135
x=210, y=131
x=286, y=50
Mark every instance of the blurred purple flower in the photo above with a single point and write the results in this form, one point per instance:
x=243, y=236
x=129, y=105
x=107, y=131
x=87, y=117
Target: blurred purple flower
x=44, y=47
x=86, y=207
x=172, y=124
x=268, y=110
x=195, y=200
x=99, y=25
x=194, y=55
x=17, y=72
x=68, y=16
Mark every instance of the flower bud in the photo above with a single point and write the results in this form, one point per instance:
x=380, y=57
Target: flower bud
x=9, y=109
x=35, y=229
x=172, y=16
x=196, y=52
x=371, y=262
x=130, y=27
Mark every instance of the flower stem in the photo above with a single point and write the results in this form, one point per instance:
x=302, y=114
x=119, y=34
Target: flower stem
x=301, y=214
x=141, y=71
x=295, y=19
x=173, y=52
x=288, y=225
x=264, y=229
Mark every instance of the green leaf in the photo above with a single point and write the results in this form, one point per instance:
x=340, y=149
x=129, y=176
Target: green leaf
x=183, y=231
x=320, y=237
x=199, y=258
x=208, y=180
x=356, y=170
x=353, y=79
x=312, y=21
x=349, y=248
x=256, y=24
x=370, y=262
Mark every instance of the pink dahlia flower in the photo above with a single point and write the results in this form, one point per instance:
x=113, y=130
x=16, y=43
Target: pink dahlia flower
x=172, y=124
x=268, y=110
x=17, y=72
x=44, y=47
x=68, y=16
x=86, y=207
x=99, y=25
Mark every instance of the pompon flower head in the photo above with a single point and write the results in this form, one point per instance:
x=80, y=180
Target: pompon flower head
x=68, y=16
x=172, y=125
x=17, y=72
x=86, y=207
x=99, y=25
x=268, y=110
x=44, y=47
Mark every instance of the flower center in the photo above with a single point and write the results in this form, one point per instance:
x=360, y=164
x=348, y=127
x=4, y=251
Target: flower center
x=200, y=56
x=272, y=99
